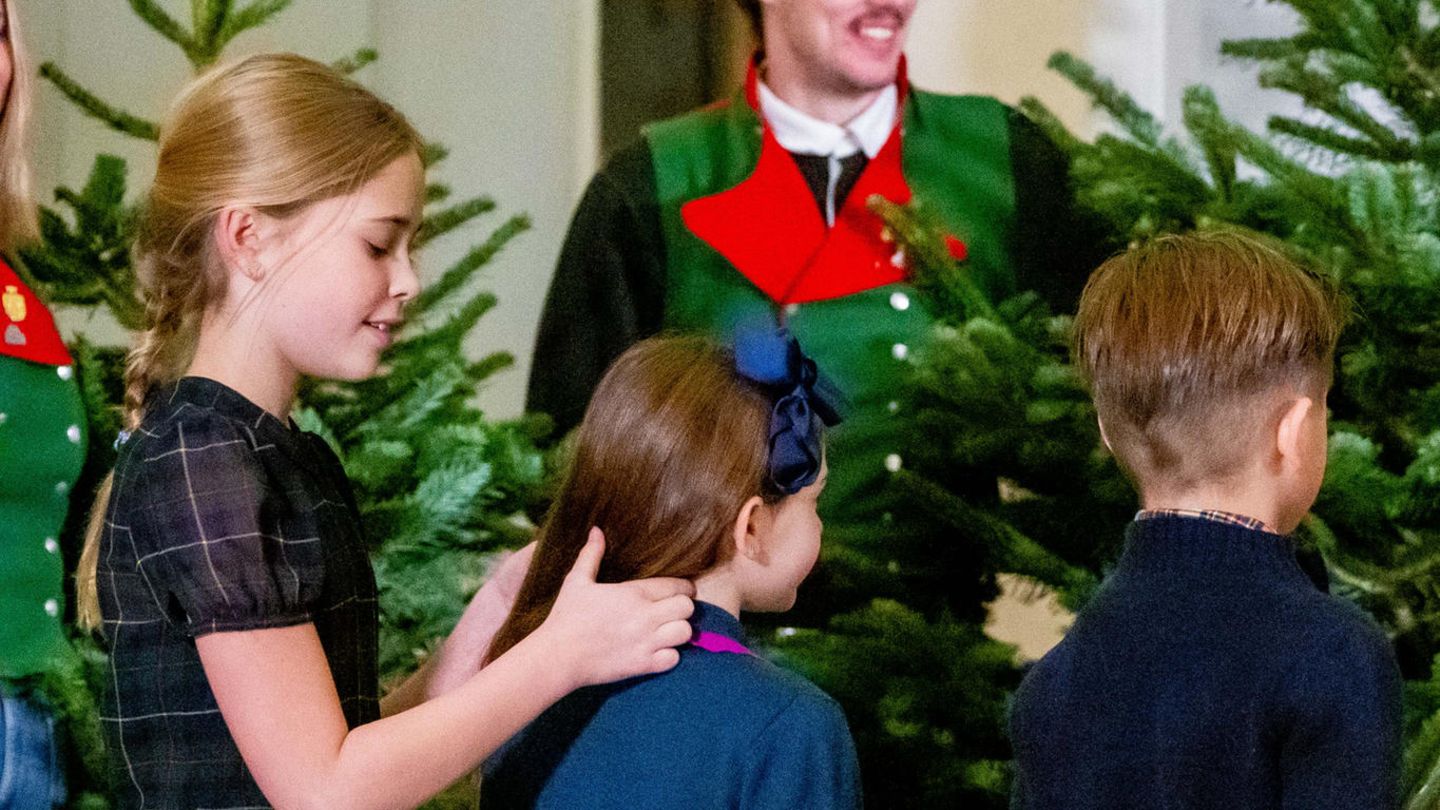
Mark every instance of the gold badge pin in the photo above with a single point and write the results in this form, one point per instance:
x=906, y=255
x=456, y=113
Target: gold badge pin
x=14, y=303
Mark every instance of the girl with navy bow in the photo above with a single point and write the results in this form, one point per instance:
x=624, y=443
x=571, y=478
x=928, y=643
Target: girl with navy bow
x=704, y=463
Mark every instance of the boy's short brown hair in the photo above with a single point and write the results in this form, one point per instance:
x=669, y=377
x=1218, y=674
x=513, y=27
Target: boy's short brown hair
x=1191, y=344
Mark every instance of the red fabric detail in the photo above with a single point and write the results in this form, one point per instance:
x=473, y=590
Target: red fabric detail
x=32, y=322
x=853, y=257
x=958, y=250
x=752, y=83
x=770, y=229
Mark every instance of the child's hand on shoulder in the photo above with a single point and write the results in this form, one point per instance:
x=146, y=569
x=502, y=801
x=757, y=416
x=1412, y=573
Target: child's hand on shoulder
x=607, y=632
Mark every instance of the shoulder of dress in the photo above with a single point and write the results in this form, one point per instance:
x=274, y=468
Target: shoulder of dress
x=175, y=426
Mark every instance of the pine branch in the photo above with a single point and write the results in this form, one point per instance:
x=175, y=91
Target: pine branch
x=117, y=120
x=1263, y=50
x=163, y=24
x=1203, y=119
x=1425, y=793
x=1426, y=77
x=922, y=239
x=1326, y=94
x=442, y=222
x=485, y=367
x=454, y=329
x=1140, y=125
x=1050, y=124
x=1326, y=138
x=479, y=256
x=355, y=61
x=207, y=19
x=432, y=153
x=254, y=15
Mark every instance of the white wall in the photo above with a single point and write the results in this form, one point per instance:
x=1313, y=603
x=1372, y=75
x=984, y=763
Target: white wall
x=1000, y=48
x=1152, y=49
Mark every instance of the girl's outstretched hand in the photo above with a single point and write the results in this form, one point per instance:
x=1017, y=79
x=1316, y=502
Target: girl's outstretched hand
x=606, y=632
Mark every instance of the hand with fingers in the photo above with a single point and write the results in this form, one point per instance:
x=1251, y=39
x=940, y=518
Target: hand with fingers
x=615, y=631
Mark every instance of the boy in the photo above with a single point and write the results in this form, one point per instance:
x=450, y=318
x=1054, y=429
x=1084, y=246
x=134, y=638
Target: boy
x=1208, y=672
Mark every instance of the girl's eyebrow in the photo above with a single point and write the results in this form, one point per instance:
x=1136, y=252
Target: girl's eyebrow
x=402, y=221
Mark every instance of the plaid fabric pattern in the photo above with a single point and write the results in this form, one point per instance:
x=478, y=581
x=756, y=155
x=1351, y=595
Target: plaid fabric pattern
x=1228, y=518
x=221, y=519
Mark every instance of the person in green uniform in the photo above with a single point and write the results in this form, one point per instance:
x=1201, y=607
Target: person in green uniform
x=42, y=448
x=756, y=209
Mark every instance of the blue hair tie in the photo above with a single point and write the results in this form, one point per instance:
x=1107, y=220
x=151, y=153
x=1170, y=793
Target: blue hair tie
x=773, y=359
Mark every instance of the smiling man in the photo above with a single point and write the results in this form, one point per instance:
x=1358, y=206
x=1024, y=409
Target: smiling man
x=756, y=208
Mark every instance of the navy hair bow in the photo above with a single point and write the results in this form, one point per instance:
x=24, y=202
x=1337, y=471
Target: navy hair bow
x=773, y=359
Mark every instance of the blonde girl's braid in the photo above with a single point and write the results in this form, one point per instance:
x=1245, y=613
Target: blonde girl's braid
x=172, y=309
x=174, y=305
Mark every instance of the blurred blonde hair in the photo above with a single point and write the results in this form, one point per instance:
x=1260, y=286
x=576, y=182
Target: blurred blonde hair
x=275, y=132
x=17, y=210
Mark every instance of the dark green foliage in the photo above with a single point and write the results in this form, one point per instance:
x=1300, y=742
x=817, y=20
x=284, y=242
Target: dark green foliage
x=87, y=263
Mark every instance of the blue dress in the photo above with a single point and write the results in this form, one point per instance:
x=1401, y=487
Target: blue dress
x=720, y=730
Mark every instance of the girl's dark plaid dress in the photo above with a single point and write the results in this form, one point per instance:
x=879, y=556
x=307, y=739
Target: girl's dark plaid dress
x=222, y=519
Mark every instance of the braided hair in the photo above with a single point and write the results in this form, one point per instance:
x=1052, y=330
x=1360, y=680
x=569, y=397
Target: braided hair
x=275, y=132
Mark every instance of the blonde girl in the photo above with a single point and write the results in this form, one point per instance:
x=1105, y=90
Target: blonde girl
x=231, y=583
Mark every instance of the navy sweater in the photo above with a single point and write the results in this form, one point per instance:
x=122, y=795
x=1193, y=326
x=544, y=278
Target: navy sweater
x=720, y=730
x=1208, y=672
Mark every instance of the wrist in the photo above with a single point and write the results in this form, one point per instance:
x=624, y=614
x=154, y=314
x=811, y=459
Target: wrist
x=557, y=667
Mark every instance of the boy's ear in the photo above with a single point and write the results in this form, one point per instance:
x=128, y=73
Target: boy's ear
x=750, y=528
x=1290, y=433
x=238, y=238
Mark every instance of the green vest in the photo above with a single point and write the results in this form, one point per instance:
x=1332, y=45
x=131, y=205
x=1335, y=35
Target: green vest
x=956, y=160
x=42, y=448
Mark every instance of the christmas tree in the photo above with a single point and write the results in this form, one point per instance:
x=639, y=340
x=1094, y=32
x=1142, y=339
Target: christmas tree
x=438, y=485
x=1010, y=452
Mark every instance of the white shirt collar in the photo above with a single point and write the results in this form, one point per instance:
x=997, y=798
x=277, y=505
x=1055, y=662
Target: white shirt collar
x=799, y=132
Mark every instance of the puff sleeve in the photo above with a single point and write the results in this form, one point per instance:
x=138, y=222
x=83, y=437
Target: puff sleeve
x=221, y=543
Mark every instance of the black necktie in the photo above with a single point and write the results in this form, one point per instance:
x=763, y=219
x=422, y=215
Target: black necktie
x=816, y=171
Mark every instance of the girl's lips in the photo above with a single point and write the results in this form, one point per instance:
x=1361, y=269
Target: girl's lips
x=385, y=324
x=384, y=330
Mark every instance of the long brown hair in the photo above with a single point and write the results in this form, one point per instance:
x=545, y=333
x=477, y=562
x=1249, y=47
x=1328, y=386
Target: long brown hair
x=17, y=209
x=672, y=445
x=276, y=132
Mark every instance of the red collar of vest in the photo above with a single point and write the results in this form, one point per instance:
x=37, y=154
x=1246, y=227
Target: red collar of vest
x=770, y=229
x=27, y=329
